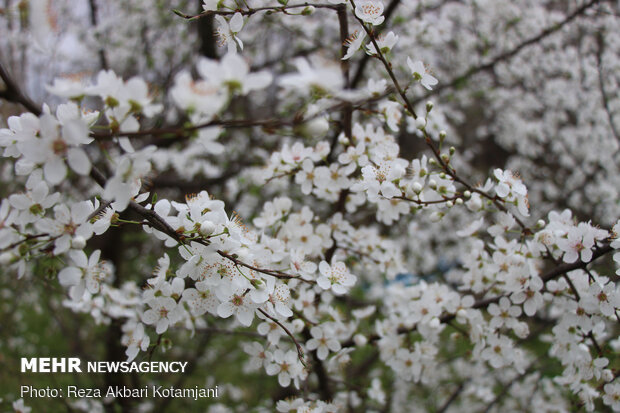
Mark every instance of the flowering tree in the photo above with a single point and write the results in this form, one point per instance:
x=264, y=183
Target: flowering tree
x=390, y=206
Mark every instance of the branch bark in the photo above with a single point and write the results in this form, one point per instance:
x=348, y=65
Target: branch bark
x=12, y=92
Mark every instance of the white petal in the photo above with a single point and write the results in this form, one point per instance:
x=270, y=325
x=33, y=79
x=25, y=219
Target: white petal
x=78, y=161
x=245, y=316
x=236, y=23
x=324, y=268
x=125, y=144
x=149, y=317
x=69, y=276
x=162, y=326
x=324, y=283
x=283, y=310
x=75, y=132
x=55, y=170
x=225, y=310
x=39, y=192
x=333, y=345
x=79, y=258
x=272, y=369
x=284, y=379
x=77, y=291
x=19, y=201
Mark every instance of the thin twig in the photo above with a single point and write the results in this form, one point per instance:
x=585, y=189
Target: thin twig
x=272, y=123
x=557, y=271
x=300, y=350
x=510, y=53
x=250, y=11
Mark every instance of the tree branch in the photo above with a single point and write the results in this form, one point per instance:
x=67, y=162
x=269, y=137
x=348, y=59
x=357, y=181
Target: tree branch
x=508, y=54
x=13, y=93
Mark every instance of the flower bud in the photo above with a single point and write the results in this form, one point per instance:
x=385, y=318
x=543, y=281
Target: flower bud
x=429, y=106
x=467, y=194
x=432, y=184
x=360, y=340
x=298, y=325
x=78, y=242
x=207, y=228
x=540, y=223
x=258, y=284
x=459, y=201
x=474, y=204
x=314, y=128
x=420, y=123
x=417, y=187
x=521, y=330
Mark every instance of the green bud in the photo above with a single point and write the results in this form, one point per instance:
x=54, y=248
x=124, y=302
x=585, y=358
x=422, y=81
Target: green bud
x=234, y=86
x=36, y=209
x=135, y=107
x=111, y=102
x=258, y=284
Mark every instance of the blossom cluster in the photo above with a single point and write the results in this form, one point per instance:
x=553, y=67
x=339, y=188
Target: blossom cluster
x=345, y=229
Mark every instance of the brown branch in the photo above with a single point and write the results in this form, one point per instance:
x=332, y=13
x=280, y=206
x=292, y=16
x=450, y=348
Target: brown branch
x=13, y=93
x=557, y=271
x=347, y=111
x=452, y=398
x=273, y=273
x=564, y=268
x=506, y=388
x=388, y=65
x=300, y=53
x=510, y=53
x=444, y=164
x=419, y=202
x=251, y=11
x=389, y=11
x=601, y=83
x=323, y=379
x=300, y=350
x=160, y=224
x=103, y=61
x=346, y=121
x=25, y=239
x=269, y=124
